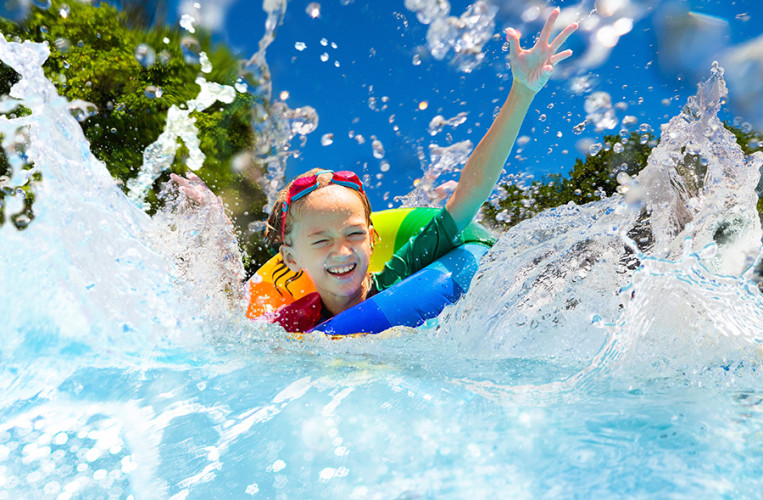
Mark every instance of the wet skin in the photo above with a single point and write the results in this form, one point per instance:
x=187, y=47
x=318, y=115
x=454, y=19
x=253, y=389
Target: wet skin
x=331, y=241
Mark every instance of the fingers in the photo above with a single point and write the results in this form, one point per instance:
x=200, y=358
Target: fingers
x=545, y=34
x=189, y=179
x=512, y=36
x=180, y=181
x=561, y=56
x=563, y=36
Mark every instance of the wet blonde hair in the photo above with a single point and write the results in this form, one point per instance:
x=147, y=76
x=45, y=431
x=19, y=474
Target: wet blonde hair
x=273, y=229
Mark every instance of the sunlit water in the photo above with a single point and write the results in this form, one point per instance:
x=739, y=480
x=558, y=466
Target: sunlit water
x=611, y=349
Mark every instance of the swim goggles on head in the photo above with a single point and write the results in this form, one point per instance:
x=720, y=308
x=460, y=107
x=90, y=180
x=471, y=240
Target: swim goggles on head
x=302, y=186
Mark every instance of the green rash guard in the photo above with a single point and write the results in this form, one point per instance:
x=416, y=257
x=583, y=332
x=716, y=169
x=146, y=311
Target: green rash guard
x=437, y=238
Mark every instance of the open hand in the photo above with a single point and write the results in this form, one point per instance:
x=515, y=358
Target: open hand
x=533, y=67
x=195, y=189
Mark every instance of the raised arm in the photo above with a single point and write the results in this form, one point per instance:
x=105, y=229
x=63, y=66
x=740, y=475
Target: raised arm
x=531, y=70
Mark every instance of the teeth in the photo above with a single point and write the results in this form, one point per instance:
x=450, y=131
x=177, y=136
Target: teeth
x=341, y=269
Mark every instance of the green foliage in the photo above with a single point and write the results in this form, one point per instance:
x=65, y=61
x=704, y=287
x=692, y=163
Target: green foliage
x=749, y=140
x=93, y=58
x=589, y=180
x=592, y=178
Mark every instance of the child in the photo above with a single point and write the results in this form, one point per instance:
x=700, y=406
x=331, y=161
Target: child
x=321, y=221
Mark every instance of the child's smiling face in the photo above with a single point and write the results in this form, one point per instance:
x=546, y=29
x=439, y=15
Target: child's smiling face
x=330, y=240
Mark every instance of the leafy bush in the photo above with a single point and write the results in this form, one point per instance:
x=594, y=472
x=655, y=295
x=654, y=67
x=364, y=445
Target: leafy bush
x=588, y=180
x=93, y=58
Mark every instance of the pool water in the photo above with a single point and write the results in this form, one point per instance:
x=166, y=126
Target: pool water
x=606, y=350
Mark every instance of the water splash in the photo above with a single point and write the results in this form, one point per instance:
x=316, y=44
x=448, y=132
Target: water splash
x=78, y=207
x=681, y=320
x=561, y=271
x=438, y=123
x=276, y=123
x=465, y=36
x=698, y=183
x=443, y=160
x=201, y=243
x=599, y=111
x=159, y=155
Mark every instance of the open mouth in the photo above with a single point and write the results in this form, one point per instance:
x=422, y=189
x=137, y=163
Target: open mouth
x=341, y=271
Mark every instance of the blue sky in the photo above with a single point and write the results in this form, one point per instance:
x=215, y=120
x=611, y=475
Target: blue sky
x=375, y=46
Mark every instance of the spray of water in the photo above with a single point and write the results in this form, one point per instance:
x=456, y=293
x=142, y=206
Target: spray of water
x=92, y=268
x=690, y=239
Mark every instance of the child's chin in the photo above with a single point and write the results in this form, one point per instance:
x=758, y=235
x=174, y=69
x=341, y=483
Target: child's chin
x=349, y=288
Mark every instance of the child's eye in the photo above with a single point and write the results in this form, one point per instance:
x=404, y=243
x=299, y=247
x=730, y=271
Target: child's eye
x=319, y=242
x=356, y=234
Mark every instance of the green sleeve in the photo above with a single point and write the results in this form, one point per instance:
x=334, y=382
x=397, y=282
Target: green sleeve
x=436, y=239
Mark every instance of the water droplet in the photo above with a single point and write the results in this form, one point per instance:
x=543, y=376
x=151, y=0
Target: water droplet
x=618, y=147
x=283, y=95
x=542, y=118
x=241, y=85
x=336, y=64
x=206, y=65
x=164, y=57
x=327, y=139
x=191, y=49
x=325, y=57
x=153, y=92
x=416, y=59
x=41, y=4
x=300, y=46
x=378, y=149
x=384, y=166
x=145, y=55
x=594, y=149
x=324, y=42
x=186, y=22
x=21, y=221
x=423, y=105
x=623, y=178
x=599, y=111
x=64, y=10
x=313, y=9
x=62, y=45
x=82, y=110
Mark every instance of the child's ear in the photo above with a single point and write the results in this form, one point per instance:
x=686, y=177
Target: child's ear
x=375, y=238
x=287, y=254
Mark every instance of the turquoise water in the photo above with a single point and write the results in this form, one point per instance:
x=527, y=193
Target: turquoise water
x=602, y=351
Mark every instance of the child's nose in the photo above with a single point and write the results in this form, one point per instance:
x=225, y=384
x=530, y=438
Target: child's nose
x=343, y=248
